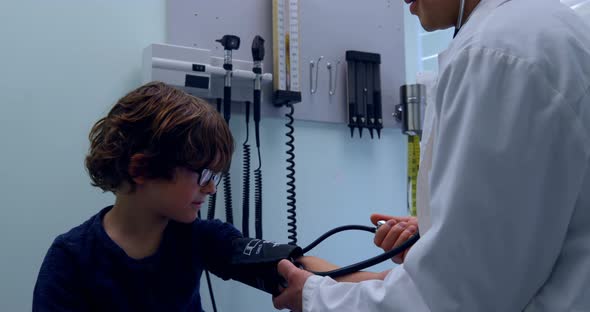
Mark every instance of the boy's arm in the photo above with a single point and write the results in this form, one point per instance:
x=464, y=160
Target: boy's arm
x=218, y=236
x=57, y=287
x=316, y=264
x=216, y=245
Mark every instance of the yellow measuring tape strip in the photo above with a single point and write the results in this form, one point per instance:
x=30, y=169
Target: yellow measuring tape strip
x=413, y=165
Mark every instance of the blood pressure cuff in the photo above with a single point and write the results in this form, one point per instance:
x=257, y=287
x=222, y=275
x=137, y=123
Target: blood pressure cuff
x=254, y=262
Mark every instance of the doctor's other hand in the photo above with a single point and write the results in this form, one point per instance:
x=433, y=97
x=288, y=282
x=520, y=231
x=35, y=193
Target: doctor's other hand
x=395, y=232
x=291, y=297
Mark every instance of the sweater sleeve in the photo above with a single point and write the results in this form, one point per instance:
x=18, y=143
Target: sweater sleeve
x=58, y=286
x=216, y=245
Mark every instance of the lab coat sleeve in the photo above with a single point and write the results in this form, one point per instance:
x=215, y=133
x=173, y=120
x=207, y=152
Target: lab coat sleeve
x=507, y=168
x=396, y=293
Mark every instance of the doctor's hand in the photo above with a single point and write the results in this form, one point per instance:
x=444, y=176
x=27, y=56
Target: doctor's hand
x=395, y=232
x=291, y=297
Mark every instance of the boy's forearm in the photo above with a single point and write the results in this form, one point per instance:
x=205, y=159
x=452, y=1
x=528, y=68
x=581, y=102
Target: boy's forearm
x=362, y=276
x=315, y=264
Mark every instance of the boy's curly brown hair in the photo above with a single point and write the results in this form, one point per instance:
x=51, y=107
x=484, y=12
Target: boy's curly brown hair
x=168, y=126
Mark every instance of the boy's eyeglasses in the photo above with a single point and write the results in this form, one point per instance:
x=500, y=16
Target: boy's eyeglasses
x=206, y=176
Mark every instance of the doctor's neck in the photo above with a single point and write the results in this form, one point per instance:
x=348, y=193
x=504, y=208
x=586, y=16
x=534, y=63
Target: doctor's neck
x=443, y=14
x=470, y=5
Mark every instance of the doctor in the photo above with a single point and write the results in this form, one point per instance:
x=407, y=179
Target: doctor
x=504, y=184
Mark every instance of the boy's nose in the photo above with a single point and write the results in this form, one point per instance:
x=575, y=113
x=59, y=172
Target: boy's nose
x=210, y=188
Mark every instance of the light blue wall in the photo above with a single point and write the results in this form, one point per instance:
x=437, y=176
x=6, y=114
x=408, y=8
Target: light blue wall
x=64, y=62
x=422, y=47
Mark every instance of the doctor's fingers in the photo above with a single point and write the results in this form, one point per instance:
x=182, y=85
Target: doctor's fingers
x=283, y=301
x=386, y=233
x=402, y=238
x=395, y=236
x=383, y=231
x=378, y=217
x=291, y=297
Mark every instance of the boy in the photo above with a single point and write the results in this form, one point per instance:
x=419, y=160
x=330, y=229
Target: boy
x=161, y=152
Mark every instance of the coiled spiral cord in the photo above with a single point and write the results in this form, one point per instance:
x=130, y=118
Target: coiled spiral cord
x=229, y=216
x=258, y=197
x=246, y=178
x=291, y=201
x=211, y=210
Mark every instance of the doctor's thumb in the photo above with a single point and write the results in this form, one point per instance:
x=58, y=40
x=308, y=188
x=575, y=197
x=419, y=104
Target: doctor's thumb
x=285, y=267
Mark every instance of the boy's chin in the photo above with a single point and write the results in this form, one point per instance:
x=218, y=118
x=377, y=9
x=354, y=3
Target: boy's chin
x=188, y=218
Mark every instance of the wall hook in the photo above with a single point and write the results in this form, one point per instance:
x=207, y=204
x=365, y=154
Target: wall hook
x=314, y=88
x=333, y=81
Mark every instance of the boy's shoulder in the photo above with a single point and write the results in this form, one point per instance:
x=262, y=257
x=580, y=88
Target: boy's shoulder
x=207, y=229
x=76, y=239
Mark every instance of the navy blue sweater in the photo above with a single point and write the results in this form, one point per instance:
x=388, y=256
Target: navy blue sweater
x=84, y=270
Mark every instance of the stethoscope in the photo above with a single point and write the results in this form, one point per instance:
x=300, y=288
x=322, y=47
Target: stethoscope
x=366, y=263
x=460, y=17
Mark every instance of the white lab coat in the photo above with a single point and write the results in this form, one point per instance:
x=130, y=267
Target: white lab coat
x=505, y=179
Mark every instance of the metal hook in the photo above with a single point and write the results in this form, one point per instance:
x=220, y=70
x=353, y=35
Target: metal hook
x=313, y=88
x=329, y=66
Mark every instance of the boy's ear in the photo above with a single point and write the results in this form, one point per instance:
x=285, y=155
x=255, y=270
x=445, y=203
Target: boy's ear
x=137, y=167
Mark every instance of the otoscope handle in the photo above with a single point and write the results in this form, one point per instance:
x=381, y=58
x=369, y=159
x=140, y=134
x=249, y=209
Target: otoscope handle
x=257, y=115
x=227, y=103
x=256, y=105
